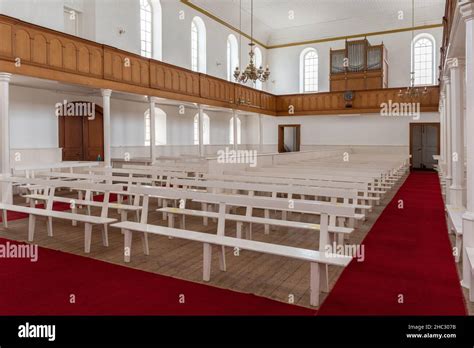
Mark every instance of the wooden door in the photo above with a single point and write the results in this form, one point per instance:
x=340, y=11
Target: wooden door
x=93, y=138
x=424, y=143
x=81, y=138
x=295, y=131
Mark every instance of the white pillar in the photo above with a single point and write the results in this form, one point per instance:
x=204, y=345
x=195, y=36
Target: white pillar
x=153, y=149
x=467, y=11
x=442, y=117
x=5, y=131
x=234, y=126
x=201, y=131
x=106, y=93
x=456, y=67
x=260, y=133
x=449, y=156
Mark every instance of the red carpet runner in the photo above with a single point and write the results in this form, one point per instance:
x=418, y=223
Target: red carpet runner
x=407, y=253
x=44, y=288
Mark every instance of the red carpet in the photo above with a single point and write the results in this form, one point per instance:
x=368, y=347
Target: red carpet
x=407, y=252
x=44, y=288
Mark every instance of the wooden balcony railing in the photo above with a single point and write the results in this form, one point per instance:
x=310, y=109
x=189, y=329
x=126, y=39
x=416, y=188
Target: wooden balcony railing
x=31, y=50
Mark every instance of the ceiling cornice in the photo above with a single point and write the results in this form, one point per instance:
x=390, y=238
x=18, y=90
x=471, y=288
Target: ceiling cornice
x=308, y=42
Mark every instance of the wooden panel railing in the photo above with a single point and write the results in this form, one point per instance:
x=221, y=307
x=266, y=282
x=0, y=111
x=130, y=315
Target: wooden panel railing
x=48, y=54
x=367, y=101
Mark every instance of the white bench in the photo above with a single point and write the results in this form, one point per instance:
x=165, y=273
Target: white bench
x=49, y=213
x=470, y=258
x=455, y=225
x=318, y=260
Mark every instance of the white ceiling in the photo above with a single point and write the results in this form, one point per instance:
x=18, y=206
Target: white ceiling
x=318, y=19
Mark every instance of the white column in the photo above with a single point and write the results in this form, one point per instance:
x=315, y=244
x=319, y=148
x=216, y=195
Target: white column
x=153, y=149
x=260, y=133
x=442, y=117
x=106, y=93
x=5, y=130
x=456, y=67
x=467, y=11
x=234, y=115
x=201, y=130
x=449, y=156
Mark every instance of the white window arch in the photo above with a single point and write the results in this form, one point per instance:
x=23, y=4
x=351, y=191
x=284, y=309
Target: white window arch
x=198, y=45
x=258, y=64
x=160, y=127
x=232, y=56
x=309, y=70
x=231, y=131
x=206, y=129
x=423, y=59
x=146, y=28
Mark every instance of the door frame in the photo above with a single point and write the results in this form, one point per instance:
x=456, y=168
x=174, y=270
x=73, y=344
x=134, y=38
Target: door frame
x=412, y=125
x=61, y=125
x=281, y=134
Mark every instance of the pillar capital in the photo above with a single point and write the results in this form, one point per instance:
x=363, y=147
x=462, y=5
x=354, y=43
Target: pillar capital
x=154, y=100
x=466, y=7
x=5, y=77
x=106, y=92
x=455, y=63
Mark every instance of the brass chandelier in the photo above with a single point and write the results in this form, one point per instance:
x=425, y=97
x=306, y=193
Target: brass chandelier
x=251, y=72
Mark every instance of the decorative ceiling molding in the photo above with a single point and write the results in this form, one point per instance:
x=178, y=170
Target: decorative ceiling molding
x=308, y=42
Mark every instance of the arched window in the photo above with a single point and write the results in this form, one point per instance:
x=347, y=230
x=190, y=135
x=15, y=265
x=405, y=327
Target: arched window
x=423, y=63
x=232, y=56
x=206, y=129
x=198, y=45
x=160, y=127
x=258, y=64
x=309, y=70
x=239, y=131
x=146, y=28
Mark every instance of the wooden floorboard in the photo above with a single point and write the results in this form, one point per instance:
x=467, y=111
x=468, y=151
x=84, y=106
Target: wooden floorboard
x=249, y=272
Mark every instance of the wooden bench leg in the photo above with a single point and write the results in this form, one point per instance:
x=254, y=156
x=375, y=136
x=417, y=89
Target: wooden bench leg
x=4, y=218
x=127, y=250
x=31, y=227
x=207, y=259
x=165, y=205
x=87, y=237
x=205, y=220
x=315, y=280
x=324, y=273
x=170, y=220
x=74, y=211
x=146, y=248
x=267, y=216
x=49, y=226
x=248, y=231
x=239, y=230
x=105, y=235
x=457, y=257
x=182, y=223
x=222, y=263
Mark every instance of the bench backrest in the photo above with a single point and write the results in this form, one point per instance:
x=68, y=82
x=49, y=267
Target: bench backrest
x=270, y=188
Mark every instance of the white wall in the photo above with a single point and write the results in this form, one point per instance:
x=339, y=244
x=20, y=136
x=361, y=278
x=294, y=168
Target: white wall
x=284, y=62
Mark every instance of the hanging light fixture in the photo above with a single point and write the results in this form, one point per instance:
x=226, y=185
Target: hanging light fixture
x=413, y=92
x=251, y=72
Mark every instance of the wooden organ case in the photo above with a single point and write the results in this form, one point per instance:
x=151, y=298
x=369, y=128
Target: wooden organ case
x=359, y=66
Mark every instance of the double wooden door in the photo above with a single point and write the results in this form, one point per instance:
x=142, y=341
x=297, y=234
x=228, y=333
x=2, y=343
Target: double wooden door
x=81, y=138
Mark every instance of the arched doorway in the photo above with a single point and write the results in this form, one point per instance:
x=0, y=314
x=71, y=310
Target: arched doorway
x=81, y=136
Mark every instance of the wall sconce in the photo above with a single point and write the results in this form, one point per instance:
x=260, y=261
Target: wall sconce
x=121, y=31
x=218, y=63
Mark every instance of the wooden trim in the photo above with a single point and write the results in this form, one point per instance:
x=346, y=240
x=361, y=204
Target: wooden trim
x=410, y=142
x=300, y=43
x=51, y=55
